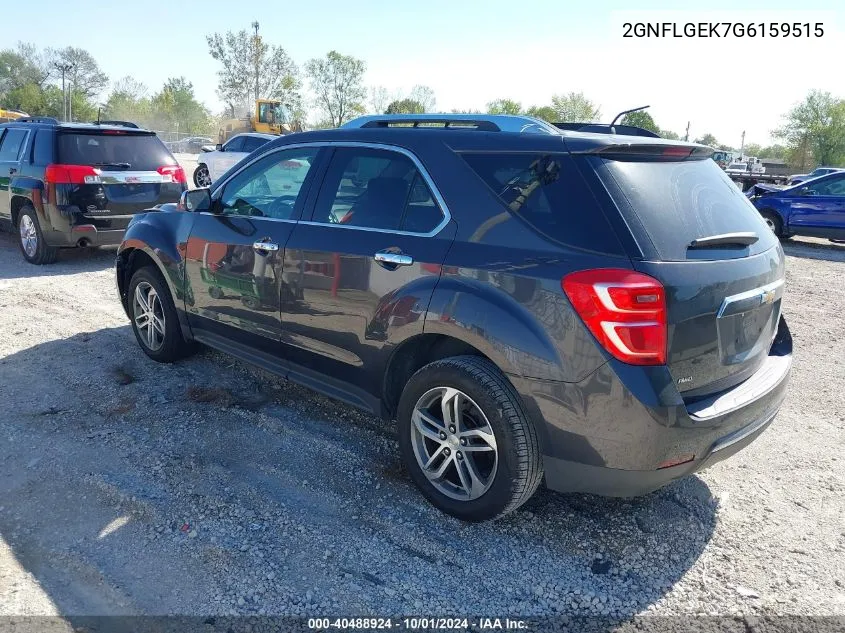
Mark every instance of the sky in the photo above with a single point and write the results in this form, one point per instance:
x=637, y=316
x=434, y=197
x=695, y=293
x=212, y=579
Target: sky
x=472, y=51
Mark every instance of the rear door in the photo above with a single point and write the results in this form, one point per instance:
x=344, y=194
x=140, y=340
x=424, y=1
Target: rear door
x=12, y=144
x=233, y=258
x=359, y=269
x=114, y=174
x=723, y=296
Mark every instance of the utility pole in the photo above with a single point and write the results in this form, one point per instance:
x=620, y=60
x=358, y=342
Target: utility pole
x=64, y=68
x=257, y=56
x=686, y=136
x=742, y=144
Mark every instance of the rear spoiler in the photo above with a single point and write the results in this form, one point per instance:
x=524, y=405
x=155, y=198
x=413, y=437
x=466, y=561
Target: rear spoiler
x=651, y=151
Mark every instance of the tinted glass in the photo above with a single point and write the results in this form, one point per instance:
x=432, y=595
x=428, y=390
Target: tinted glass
x=252, y=143
x=678, y=202
x=10, y=147
x=142, y=152
x=42, y=151
x=376, y=189
x=832, y=186
x=270, y=187
x=234, y=145
x=550, y=195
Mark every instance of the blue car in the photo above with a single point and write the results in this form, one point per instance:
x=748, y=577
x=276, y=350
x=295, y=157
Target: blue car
x=815, y=208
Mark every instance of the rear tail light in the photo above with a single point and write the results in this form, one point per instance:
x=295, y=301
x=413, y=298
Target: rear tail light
x=625, y=311
x=176, y=173
x=72, y=175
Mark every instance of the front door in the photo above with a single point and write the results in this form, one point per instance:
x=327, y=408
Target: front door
x=233, y=259
x=363, y=267
x=821, y=207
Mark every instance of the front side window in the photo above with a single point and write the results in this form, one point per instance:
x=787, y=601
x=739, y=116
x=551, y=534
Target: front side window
x=13, y=141
x=252, y=143
x=375, y=188
x=271, y=187
x=234, y=145
x=833, y=186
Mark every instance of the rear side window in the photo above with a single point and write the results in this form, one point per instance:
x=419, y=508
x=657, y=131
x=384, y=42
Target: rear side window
x=136, y=152
x=549, y=194
x=675, y=203
x=376, y=188
x=10, y=148
x=42, y=151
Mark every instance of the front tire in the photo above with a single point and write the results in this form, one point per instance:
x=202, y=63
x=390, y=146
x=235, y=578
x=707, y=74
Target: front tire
x=154, y=318
x=31, y=240
x=202, y=178
x=466, y=439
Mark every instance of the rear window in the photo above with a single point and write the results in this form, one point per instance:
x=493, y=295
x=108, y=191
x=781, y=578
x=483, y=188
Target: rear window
x=142, y=152
x=674, y=203
x=548, y=193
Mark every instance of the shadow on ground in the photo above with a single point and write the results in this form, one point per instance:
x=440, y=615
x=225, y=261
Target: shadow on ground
x=123, y=492
x=71, y=261
x=821, y=250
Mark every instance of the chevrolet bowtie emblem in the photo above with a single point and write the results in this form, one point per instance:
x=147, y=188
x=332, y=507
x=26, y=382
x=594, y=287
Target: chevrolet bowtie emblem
x=768, y=297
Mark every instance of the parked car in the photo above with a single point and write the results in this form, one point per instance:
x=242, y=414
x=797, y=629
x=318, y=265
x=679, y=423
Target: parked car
x=795, y=179
x=191, y=145
x=601, y=310
x=64, y=185
x=815, y=208
x=212, y=165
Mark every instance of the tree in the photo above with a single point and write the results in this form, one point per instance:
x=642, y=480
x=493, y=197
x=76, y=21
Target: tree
x=128, y=101
x=642, y=119
x=405, y=106
x=815, y=128
x=85, y=75
x=673, y=136
x=424, y=96
x=708, y=139
x=378, y=99
x=504, y=106
x=574, y=108
x=239, y=54
x=337, y=82
x=546, y=113
x=177, y=108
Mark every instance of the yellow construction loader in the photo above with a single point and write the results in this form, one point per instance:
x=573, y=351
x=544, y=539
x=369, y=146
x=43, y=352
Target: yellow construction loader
x=269, y=117
x=11, y=115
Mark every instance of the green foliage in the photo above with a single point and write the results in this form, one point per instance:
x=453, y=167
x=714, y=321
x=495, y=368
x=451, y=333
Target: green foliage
x=338, y=83
x=405, y=106
x=574, y=108
x=424, y=96
x=84, y=75
x=708, y=139
x=672, y=136
x=238, y=53
x=814, y=130
x=504, y=106
x=642, y=119
x=546, y=113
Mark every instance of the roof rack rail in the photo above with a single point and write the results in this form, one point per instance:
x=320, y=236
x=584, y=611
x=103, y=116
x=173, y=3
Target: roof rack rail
x=117, y=123
x=477, y=122
x=37, y=119
x=606, y=128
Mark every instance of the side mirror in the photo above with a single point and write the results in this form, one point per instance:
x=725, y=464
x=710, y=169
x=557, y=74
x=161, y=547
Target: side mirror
x=219, y=147
x=196, y=200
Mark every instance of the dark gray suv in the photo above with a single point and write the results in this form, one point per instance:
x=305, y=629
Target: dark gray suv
x=598, y=310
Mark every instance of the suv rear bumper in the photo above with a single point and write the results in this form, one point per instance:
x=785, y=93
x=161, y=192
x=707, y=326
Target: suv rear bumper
x=85, y=235
x=611, y=433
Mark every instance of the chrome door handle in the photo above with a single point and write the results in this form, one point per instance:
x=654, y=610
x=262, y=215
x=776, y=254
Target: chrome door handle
x=267, y=247
x=397, y=259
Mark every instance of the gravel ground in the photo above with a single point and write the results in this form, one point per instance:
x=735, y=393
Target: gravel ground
x=208, y=487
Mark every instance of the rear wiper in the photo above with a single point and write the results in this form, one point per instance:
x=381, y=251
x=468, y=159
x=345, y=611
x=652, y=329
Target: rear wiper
x=119, y=165
x=726, y=239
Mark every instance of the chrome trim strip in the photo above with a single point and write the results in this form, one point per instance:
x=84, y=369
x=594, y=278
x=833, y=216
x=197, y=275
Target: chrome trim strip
x=444, y=209
x=517, y=123
x=761, y=291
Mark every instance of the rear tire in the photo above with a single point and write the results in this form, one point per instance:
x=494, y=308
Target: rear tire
x=154, y=317
x=478, y=483
x=31, y=240
x=201, y=176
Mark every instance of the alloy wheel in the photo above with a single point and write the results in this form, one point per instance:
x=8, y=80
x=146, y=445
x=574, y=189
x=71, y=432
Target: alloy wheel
x=29, y=236
x=454, y=444
x=771, y=224
x=202, y=178
x=148, y=313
